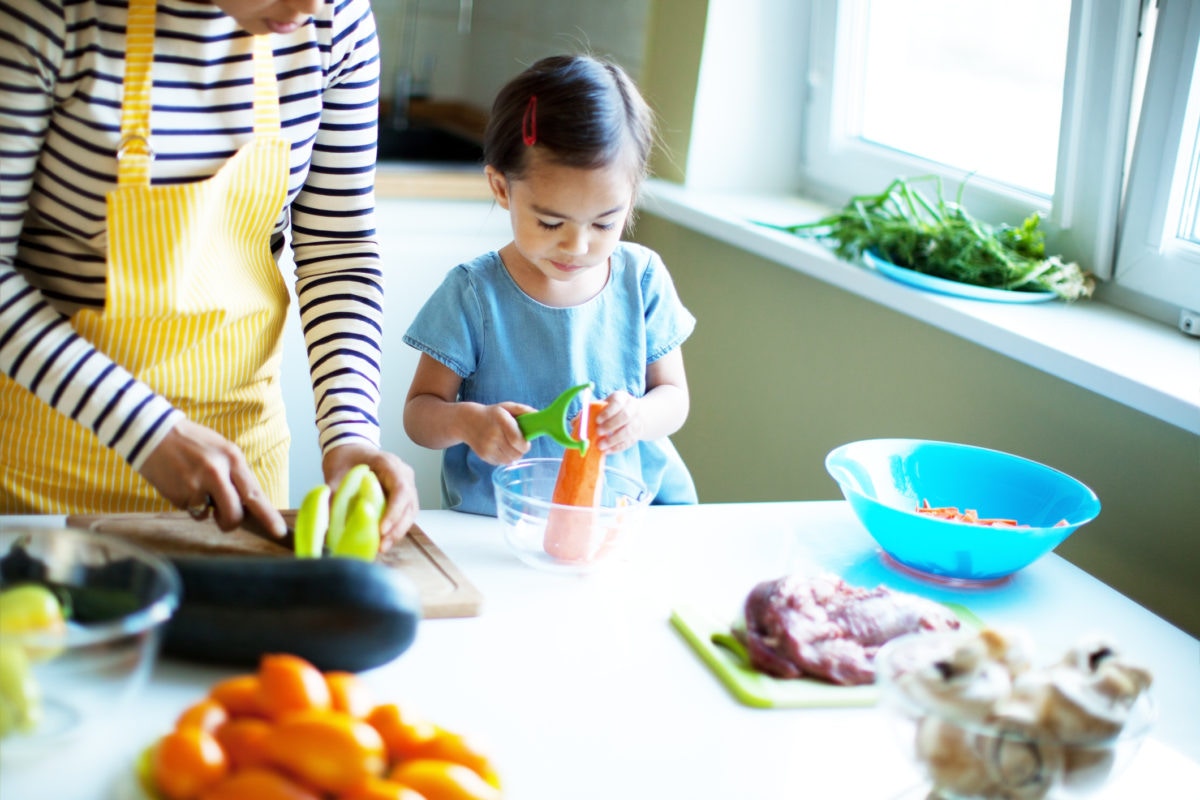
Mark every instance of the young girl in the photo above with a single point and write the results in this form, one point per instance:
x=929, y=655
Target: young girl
x=564, y=303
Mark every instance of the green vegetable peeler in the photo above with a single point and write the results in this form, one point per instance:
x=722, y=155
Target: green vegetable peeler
x=552, y=421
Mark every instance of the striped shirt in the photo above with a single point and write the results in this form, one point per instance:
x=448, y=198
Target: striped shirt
x=61, y=69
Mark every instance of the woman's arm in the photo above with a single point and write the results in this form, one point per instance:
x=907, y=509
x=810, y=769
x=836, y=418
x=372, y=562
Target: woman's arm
x=38, y=347
x=339, y=274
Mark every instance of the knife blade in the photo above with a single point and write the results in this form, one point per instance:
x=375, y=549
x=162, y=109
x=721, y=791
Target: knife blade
x=251, y=524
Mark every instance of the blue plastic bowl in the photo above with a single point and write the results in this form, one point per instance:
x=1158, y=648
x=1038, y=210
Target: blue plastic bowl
x=885, y=480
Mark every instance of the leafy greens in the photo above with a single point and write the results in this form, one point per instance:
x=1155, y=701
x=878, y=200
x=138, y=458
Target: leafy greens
x=939, y=238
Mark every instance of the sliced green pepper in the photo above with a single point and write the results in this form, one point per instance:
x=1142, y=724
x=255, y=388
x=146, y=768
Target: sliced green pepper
x=360, y=534
x=340, y=507
x=370, y=490
x=360, y=537
x=347, y=526
x=312, y=522
x=20, y=696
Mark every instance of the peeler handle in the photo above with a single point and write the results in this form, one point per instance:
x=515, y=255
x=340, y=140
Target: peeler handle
x=552, y=420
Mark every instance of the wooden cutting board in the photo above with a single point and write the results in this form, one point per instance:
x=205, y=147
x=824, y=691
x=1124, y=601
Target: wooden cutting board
x=444, y=590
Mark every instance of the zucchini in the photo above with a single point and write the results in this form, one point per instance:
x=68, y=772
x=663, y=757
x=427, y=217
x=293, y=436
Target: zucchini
x=338, y=613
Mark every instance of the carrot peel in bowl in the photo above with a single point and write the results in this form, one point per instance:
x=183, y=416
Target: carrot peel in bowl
x=971, y=517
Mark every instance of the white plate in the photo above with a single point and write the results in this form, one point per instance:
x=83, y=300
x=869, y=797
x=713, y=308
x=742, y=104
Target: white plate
x=942, y=286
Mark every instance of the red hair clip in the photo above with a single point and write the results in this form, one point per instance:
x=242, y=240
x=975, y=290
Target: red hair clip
x=529, y=122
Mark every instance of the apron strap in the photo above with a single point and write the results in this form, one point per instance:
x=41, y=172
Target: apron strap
x=134, y=153
x=266, y=89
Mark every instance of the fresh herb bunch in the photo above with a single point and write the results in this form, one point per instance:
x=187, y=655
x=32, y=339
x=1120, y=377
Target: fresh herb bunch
x=902, y=226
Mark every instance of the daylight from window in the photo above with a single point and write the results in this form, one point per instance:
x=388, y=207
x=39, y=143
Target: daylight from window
x=977, y=86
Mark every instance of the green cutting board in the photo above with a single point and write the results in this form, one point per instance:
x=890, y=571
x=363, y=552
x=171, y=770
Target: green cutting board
x=711, y=639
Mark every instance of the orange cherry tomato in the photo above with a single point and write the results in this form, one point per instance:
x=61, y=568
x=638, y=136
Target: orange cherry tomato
x=206, y=714
x=239, y=695
x=403, y=733
x=244, y=740
x=449, y=746
x=288, y=683
x=349, y=693
x=329, y=750
x=187, y=761
x=258, y=783
x=443, y=780
x=380, y=789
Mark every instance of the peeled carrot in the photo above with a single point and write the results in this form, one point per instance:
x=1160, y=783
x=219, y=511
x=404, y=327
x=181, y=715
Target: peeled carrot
x=579, y=476
x=570, y=534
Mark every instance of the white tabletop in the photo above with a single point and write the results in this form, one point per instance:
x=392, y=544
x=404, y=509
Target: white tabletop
x=582, y=689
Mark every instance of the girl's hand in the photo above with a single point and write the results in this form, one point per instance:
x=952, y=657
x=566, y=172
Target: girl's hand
x=492, y=432
x=396, y=477
x=195, y=467
x=621, y=424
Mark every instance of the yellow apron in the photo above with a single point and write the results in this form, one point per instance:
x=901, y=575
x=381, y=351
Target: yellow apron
x=195, y=307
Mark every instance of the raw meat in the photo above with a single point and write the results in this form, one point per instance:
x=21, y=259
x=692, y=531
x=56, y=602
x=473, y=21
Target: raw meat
x=822, y=627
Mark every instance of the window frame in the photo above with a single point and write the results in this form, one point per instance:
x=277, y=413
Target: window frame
x=1146, y=264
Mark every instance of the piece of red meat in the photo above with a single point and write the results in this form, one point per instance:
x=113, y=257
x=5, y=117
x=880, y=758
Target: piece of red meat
x=823, y=627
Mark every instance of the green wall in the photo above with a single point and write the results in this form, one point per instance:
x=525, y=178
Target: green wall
x=783, y=368
x=674, y=43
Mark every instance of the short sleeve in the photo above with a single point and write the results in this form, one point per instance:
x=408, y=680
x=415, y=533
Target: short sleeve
x=668, y=322
x=448, y=326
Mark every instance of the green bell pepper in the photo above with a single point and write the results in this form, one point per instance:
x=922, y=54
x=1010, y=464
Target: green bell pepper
x=346, y=526
x=312, y=523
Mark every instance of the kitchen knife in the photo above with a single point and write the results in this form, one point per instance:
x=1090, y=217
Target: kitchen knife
x=251, y=524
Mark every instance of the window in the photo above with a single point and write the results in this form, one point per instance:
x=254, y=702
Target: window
x=1159, y=253
x=1034, y=104
x=942, y=81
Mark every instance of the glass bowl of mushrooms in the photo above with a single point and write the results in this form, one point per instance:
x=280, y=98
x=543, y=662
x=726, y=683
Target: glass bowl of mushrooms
x=982, y=720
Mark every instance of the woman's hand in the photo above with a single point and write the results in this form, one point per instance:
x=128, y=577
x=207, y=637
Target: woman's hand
x=195, y=467
x=396, y=477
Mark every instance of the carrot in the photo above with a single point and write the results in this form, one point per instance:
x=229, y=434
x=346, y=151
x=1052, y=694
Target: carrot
x=569, y=534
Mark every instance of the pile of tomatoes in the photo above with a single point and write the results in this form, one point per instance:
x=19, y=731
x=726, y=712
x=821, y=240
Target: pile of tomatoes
x=291, y=732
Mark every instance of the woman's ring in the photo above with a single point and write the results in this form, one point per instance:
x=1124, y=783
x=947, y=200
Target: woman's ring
x=200, y=510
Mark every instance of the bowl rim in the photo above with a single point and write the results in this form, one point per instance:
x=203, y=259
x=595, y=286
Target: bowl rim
x=643, y=496
x=831, y=467
x=156, y=612
x=892, y=693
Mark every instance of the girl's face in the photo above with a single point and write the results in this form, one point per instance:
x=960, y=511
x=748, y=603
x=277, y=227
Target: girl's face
x=269, y=16
x=566, y=223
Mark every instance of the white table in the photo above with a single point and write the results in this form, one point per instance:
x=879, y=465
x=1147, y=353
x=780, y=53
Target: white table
x=582, y=689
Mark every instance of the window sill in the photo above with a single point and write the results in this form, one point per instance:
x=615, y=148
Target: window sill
x=1146, y=365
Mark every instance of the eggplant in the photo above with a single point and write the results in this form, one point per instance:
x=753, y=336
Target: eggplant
x=338, y=613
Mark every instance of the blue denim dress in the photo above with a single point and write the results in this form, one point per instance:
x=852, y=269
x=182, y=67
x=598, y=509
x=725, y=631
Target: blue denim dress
x=506, y=346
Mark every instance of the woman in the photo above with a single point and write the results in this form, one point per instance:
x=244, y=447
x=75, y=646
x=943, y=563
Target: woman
x=153, y=160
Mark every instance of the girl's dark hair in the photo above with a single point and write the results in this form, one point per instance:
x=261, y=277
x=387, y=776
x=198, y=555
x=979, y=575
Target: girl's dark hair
x=587, y=113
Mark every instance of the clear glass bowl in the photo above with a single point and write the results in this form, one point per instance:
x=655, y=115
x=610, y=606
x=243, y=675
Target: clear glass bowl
x=962, y=757
x=562, y=538
x=117, y=599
